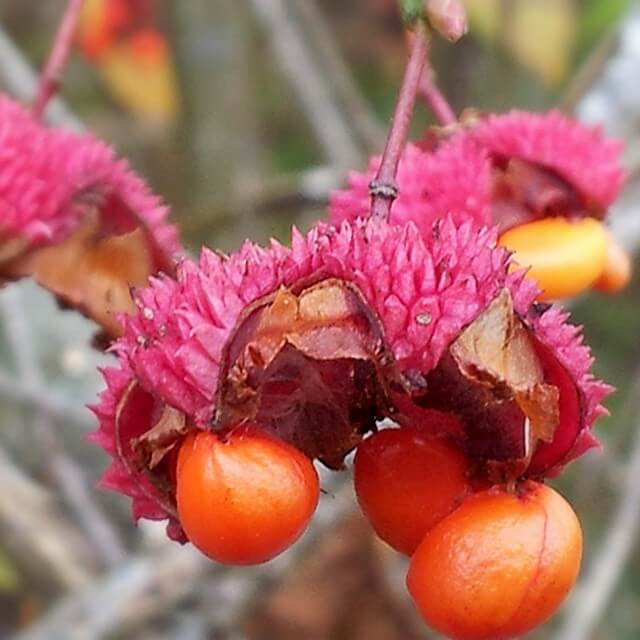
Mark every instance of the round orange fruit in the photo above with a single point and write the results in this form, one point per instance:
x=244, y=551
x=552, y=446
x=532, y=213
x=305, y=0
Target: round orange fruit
x=499, y=565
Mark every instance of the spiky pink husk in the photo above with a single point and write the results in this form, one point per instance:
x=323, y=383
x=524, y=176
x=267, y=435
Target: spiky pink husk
x=424, y=289
x=117, y=476
x=454, y=180
x=578, y=153
x=45, y=173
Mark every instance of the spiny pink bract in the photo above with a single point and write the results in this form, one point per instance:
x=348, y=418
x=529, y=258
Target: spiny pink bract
x=456, y=177
x=454, y=180
x=425, y=290
x=578, y=153
x=47, y=175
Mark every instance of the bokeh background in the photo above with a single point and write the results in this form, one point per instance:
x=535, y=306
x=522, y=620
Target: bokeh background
x=244, y=114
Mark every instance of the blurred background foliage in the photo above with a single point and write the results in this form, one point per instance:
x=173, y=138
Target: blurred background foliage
x=232, y=150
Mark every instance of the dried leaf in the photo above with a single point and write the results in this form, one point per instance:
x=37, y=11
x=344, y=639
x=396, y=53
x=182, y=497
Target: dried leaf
x=311, y=366
x=95, y=268
x=138, y=414
x=152, y=447
x=523, y=192
x=493, y=378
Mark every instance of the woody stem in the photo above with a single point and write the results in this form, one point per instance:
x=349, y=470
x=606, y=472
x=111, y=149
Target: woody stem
x=54, y=67
x=383, y=187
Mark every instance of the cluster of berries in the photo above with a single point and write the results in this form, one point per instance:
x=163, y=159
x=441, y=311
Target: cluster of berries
x=236, y=372
x=239, y=372
x=468, y=540
x=244, y=498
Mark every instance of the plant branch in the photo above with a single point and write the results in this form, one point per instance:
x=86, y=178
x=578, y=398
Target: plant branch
x=383, y=188
x=435, y=99
x=19, y=77
x=66, y=473
x=330, y=126
x=151, y=583
x=362, y=118
x=58, y=56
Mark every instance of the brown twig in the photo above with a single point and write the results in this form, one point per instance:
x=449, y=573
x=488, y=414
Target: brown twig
x=383, y=188
x=60, y=49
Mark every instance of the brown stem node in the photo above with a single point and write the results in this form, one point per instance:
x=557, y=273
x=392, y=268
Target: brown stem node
x=383, y=188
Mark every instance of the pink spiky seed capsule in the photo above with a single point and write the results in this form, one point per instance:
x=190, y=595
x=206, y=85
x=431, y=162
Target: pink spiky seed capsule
x=318, y=342
x=76, y=218
x=545, y=180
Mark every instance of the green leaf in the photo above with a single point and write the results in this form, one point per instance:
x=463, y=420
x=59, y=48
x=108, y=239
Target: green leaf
x=412, y=11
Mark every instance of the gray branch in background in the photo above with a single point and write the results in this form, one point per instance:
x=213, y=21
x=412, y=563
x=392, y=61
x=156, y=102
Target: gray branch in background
x=47, y=547
x=592, y=597
x=57, y=406
x=312, y=88
x=614, y=101
x=65, y=471
x=361, y=117
x=150, y=584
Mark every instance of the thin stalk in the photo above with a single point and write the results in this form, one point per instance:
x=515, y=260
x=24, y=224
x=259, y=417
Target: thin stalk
x=435, y=99
x=383, y=188
x=52, y=73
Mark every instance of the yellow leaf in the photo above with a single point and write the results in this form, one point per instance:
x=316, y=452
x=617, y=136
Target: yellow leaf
x=540, y=34
x=144, y=84
x=484, y=17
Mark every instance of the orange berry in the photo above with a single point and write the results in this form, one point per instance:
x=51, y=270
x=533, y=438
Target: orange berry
x=406, y=482
x=566, y=256
x=245, y=499
x=499, y=565
x=618, y=269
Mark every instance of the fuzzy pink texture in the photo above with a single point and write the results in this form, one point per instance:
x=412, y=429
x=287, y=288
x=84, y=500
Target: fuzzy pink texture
x=454, y=180
x=425, y=289
x=46, y=176
x=578, y=153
